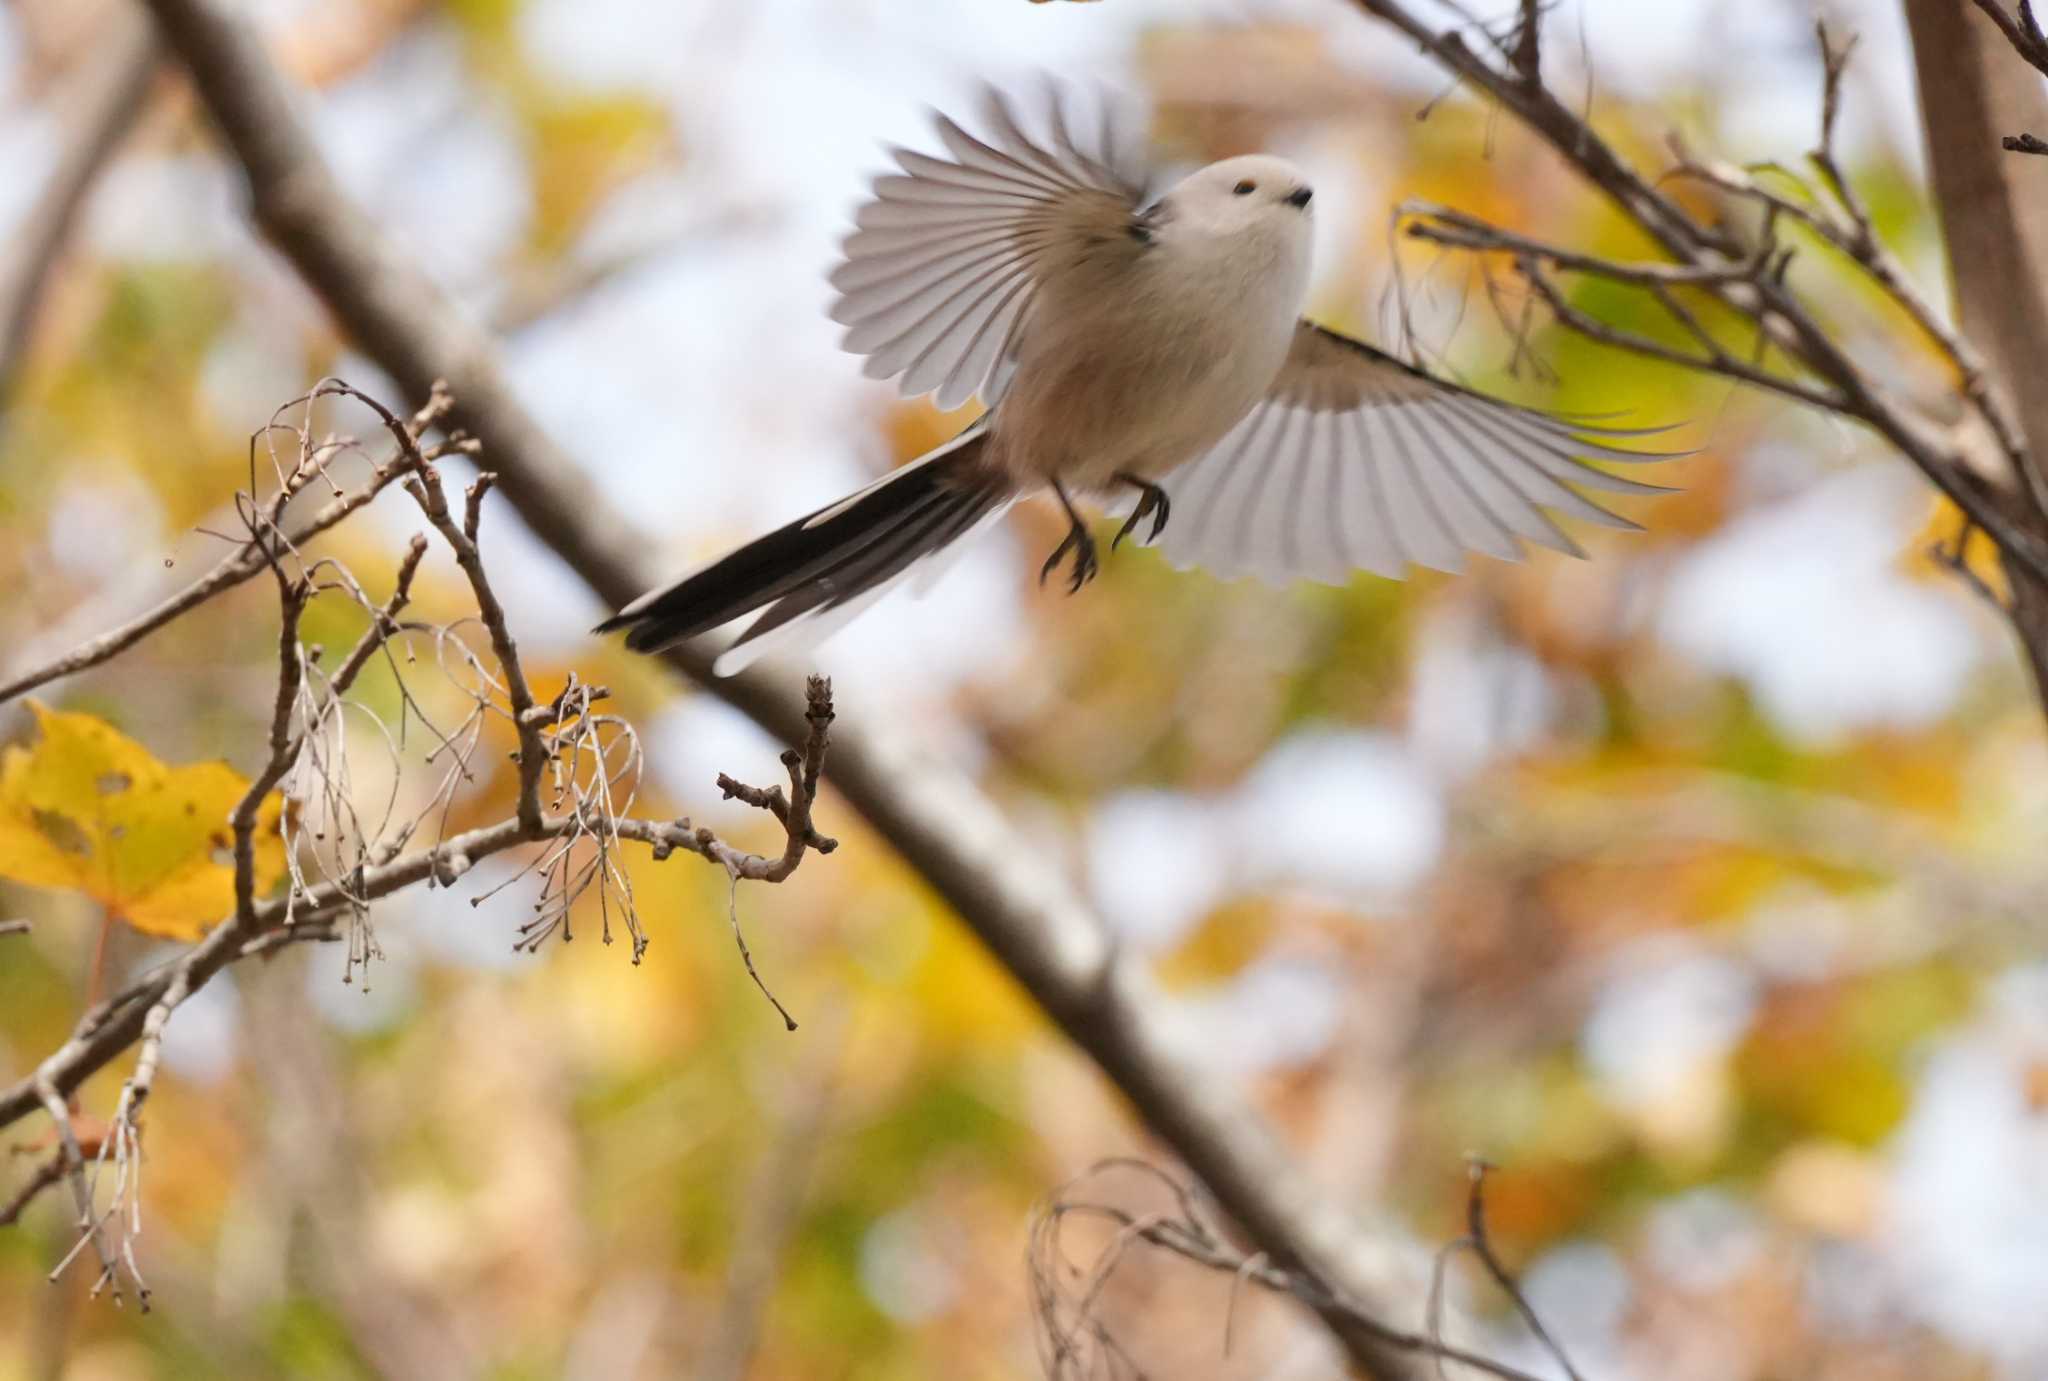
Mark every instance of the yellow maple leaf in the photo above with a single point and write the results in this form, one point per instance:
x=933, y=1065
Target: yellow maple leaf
x=91, y=809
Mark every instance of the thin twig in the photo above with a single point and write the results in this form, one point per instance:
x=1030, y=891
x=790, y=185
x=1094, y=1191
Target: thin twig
x=383, y=621
x=249, y=560
x=794, y=813
x=794, y=810
x=1070, y=1325
x=732, y=910
x=1864, y=245
x=1751, y=281
x=425, y=488
x=89, y=1223
x=1482, y=1247
x=284, y=751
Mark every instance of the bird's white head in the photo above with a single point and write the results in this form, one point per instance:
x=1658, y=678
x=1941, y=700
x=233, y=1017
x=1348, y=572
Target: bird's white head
x=1255, y=194
x=1247, y=219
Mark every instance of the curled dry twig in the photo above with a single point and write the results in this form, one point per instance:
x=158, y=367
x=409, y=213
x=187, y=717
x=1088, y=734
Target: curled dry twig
x=578, y=777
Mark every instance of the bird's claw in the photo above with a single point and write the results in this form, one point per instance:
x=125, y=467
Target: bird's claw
x=1153, y=500
x=1086, y=561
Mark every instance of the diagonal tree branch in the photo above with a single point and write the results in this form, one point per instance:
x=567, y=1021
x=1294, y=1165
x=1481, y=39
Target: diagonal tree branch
x=2021, y=29
x=936, y=819
x=113, y=96
x=1991, y=225
x=1662, y=218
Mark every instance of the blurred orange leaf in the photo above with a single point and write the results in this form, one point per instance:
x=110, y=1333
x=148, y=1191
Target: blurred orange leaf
x=89, y=808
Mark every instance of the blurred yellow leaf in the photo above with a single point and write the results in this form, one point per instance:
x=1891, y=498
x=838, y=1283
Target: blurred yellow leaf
x=1218, y=949
x=90, y=809
x=1945, y=528
x=1813, y=1066
x=583, y=148
x=916, y=426
x=966, y=998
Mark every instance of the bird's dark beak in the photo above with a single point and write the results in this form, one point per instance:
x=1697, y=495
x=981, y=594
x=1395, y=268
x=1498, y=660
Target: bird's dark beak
x=1299, y=197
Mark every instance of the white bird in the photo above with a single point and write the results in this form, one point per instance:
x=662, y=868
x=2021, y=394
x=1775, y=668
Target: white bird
x=1130, y=346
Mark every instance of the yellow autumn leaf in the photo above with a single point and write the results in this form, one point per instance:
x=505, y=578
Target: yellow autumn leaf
x=1221, y=947
x=1944, y=527
x=90, y=809
x=916, y=426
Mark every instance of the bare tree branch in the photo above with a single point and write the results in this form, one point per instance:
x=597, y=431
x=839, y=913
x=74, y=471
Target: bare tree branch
x=2021, y=30
x=526, y=717
x=91, y=1224
x=1477, y=1241
x=116, y=1023
x=284, y=749
x=2004, y=495
x=1533, y=259
x=1538, y=107
x=568, y=745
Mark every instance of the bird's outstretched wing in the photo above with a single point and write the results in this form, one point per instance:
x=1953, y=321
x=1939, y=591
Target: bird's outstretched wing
x=1355, y=460
x=947, y=256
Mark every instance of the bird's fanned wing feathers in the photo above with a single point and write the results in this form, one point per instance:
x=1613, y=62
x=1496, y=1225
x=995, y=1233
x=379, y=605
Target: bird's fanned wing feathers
x=1356, y=461
x=943, y=265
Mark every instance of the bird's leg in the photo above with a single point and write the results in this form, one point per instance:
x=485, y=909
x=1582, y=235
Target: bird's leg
x=1077, y=541
x=1153, y=500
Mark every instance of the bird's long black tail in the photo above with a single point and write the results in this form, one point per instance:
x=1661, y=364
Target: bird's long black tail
x=811, y=575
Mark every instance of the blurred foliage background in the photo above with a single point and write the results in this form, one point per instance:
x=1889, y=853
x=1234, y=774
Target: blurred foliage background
x=1694, y=885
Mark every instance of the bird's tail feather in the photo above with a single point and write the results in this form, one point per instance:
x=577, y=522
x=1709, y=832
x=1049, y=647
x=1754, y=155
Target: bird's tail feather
x=811, y=576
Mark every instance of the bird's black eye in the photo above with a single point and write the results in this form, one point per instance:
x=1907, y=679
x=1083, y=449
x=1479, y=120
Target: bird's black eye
x=1245, y=189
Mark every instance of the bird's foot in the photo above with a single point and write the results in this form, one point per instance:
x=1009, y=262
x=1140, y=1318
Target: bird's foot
x=1086, y=562
x=1153, y=500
